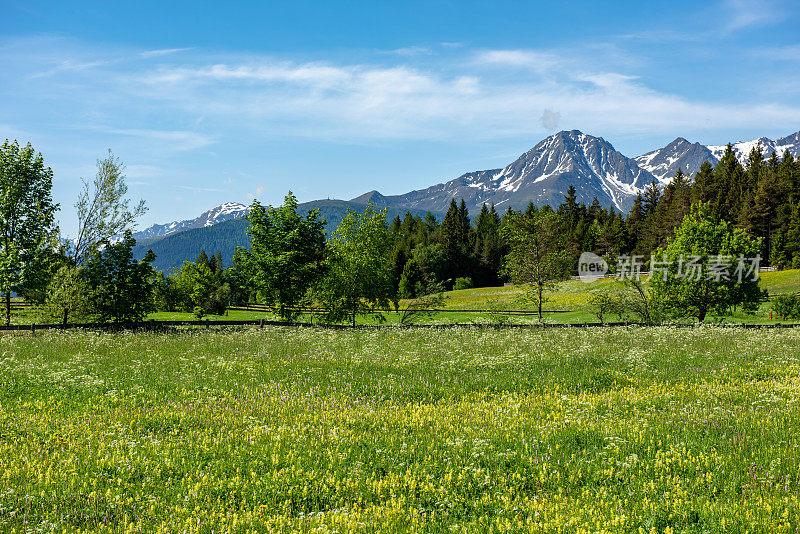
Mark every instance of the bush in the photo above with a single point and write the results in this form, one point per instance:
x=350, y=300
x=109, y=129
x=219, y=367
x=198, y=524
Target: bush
x=786, y=306
x=463, y=283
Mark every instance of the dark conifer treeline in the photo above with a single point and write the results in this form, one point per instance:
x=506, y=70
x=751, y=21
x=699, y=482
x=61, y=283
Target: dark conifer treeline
x=761, y=197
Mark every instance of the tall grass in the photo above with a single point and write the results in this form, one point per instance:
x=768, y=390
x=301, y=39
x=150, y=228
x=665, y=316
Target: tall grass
x=284, y=429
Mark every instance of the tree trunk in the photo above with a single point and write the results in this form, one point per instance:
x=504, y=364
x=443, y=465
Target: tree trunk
x=8, y=308
x=539, y=289
x=66, y=314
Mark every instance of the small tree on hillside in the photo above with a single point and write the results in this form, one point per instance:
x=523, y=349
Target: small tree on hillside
x=358, y=278
x=538, y=253
x=709, y=266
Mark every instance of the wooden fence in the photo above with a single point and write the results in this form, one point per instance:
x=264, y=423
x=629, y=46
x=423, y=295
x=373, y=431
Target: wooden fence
x=158, y=326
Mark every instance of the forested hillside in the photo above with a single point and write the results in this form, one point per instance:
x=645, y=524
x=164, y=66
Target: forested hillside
x=172, y=250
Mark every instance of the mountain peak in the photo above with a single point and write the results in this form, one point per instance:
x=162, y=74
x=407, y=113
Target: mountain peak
x=681, y=154
x=373, y=196
x=224, y=212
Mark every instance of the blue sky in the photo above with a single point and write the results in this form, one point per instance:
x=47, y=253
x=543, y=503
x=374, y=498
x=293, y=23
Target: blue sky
x=211, y=102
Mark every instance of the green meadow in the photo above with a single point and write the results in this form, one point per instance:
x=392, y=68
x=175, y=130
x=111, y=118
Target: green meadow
x=437, y=430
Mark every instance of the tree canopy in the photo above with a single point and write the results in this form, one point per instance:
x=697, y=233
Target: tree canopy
x=358, y=277
x=285, y=255
x=27, y=218
x=708, y=266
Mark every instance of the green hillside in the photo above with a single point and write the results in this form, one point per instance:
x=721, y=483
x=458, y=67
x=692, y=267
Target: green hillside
x=573, y=297
x=172, y=250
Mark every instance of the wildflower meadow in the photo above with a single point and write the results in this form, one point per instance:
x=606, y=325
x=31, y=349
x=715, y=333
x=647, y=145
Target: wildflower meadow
x=392, y=430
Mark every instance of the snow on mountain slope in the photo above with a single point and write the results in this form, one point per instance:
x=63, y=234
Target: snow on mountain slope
x=679, y=154
x=768, y=146
x=223, y=212
x=542, y=176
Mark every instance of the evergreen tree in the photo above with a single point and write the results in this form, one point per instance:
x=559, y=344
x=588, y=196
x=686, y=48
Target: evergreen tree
x=488, y=249
x=704, y=188
x=202, y=258
x=454, y=235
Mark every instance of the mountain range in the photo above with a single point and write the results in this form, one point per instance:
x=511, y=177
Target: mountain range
x=541, y=175
x=174, y=248
x=681, y=154
x=223, y=212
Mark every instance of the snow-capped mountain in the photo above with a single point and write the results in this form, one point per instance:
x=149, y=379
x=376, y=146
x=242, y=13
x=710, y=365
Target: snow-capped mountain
x=542, y=176
x=223, y=212
x=768, y=146
x=681, y=154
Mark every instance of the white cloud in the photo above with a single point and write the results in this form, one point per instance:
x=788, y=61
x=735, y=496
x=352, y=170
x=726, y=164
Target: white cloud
x=412, y=51
x=465, y=95
x=743, y=14
x=143, y=171
x=779, y=53
x=169, y=139
x=196, y=189
x=162, y=52
x=516, y=58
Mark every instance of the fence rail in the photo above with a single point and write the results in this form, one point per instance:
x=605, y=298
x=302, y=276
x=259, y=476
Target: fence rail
x=320, y=311
x=167, y=325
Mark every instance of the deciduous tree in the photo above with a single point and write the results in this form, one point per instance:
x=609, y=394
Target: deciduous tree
x=27, y=217
x=123, y=287
x=538, y=253
x=358, y=278
x=103, y=210
x=286, y=253
x=707, y=267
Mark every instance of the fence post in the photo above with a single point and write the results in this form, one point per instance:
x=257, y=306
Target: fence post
x=261, y=323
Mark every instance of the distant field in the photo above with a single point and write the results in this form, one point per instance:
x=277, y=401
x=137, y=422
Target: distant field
x=571, y=304
x=282, y=429
x=571, y=301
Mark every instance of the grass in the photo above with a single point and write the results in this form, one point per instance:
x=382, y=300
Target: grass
x=282, y=429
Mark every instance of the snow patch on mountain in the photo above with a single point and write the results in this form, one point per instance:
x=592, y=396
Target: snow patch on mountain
x=221, y=213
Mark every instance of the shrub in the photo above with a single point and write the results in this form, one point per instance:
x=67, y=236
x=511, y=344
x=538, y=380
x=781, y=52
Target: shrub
x=786, y=306
x=463, y=283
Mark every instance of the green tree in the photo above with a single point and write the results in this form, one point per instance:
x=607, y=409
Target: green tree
x=123, y=287
x=699, y=271
x=27, y=217
x=358, y=278
x=69, y=294
x=412, y=281
x=489, y=247
x=202, y=291
x=455, y=235
x=286, y=253
x=103, y=210
x=538, y=253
